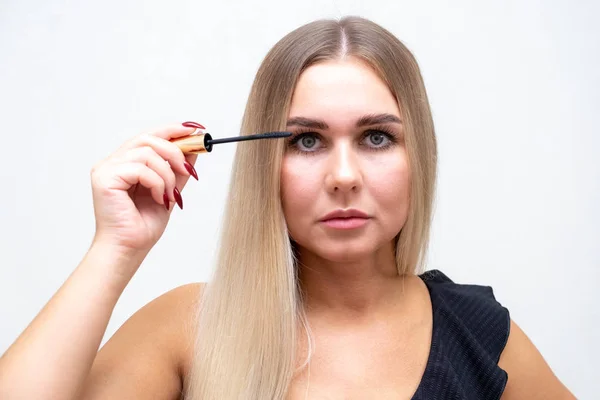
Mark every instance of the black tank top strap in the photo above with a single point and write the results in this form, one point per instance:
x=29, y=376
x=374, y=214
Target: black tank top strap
x=470, y=331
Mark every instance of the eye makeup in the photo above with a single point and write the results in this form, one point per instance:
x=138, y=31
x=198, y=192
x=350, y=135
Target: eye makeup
x=391, y=138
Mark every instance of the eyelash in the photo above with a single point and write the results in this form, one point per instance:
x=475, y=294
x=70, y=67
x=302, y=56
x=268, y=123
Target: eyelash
x=302, y=132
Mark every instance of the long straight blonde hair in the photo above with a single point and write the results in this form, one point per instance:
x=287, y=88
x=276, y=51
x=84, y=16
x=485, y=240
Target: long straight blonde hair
x=248, y=317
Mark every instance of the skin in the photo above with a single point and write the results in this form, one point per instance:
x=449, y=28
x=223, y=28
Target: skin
x=349, y=276
x=349, y=273
x=372, y=328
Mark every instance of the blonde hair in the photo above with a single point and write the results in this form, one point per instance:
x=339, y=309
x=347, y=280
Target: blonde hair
x=250, y=311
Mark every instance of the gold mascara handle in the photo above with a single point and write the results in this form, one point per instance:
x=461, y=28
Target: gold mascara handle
x=194, y=143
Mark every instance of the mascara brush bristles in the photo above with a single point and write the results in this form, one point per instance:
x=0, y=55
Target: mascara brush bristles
x=267, y=135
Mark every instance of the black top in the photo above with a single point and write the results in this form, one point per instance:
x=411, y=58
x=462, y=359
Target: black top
x=470, y=330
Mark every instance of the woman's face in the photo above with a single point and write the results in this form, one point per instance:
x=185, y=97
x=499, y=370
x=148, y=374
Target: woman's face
x=331, y=163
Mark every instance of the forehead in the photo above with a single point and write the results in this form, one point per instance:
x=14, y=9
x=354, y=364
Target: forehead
x=337, y=91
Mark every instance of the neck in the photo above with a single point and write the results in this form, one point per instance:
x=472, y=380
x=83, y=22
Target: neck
x=353, y=290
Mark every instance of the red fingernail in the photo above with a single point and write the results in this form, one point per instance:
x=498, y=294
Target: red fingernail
x=190, y=168
x=178, y=198
x=166, y=200
x=191, y=124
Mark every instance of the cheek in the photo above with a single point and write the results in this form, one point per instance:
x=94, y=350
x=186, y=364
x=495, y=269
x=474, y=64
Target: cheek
x=391, y=185
x=299, y=189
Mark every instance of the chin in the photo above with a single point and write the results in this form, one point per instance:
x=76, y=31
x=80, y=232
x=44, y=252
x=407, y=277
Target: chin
x=344, y=257
x=343, y=252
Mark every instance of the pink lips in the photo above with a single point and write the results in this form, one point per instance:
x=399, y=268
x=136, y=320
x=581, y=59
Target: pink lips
x=345, y=219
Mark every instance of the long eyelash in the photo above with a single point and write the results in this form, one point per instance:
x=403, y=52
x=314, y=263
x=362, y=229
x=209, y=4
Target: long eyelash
x=298, y=135
x=391, y=135
x=301, y=132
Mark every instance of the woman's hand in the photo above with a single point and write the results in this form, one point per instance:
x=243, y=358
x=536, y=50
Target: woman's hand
x=135, y=188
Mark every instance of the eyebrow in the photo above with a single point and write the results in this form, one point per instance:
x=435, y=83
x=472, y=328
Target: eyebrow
x=365, y=120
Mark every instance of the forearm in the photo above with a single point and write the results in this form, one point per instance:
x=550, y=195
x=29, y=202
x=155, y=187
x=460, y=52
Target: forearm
x=53, y=356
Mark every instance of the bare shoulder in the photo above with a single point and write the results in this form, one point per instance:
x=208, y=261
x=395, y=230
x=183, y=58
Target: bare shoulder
x=529, y=375
x=148, y=356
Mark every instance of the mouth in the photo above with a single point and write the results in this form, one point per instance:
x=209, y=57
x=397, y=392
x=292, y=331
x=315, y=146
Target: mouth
x=345, y=223
x=345, y=213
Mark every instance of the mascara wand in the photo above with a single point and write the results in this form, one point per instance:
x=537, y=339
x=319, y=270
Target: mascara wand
x=197, y=143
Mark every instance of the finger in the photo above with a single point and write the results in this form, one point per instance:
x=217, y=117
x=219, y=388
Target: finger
x=147, y=156
x=181, y=180
x=191, y=158
x=174, y=131
x=135, y=172
x=168, y=132
x=167, y=150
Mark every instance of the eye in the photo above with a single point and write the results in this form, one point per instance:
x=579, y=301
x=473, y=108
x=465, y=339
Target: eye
x=308, y=141
x=377, y=138
x=373, y=139
x=304, y=142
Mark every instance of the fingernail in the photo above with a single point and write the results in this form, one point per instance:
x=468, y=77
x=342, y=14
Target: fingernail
x=190, y=168
x=178, y=198
x=191, y=124
x=166, y=200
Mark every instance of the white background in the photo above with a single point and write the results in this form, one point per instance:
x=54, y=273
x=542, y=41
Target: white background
x=514, y=91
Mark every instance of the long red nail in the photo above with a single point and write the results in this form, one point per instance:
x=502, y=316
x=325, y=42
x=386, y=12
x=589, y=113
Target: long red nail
x=178, y=198
x=191, y=124
x=166, y=200
x=190, y=168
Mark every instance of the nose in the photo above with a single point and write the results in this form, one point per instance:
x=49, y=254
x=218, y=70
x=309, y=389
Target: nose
x=343, y=173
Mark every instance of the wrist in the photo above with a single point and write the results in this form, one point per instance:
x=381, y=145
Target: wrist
x=113, y=262
x=117, y=251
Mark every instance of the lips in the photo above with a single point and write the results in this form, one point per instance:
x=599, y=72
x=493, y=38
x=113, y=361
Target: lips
x=345, y=214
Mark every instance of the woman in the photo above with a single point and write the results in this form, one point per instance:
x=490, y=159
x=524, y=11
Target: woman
x=319, y=289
